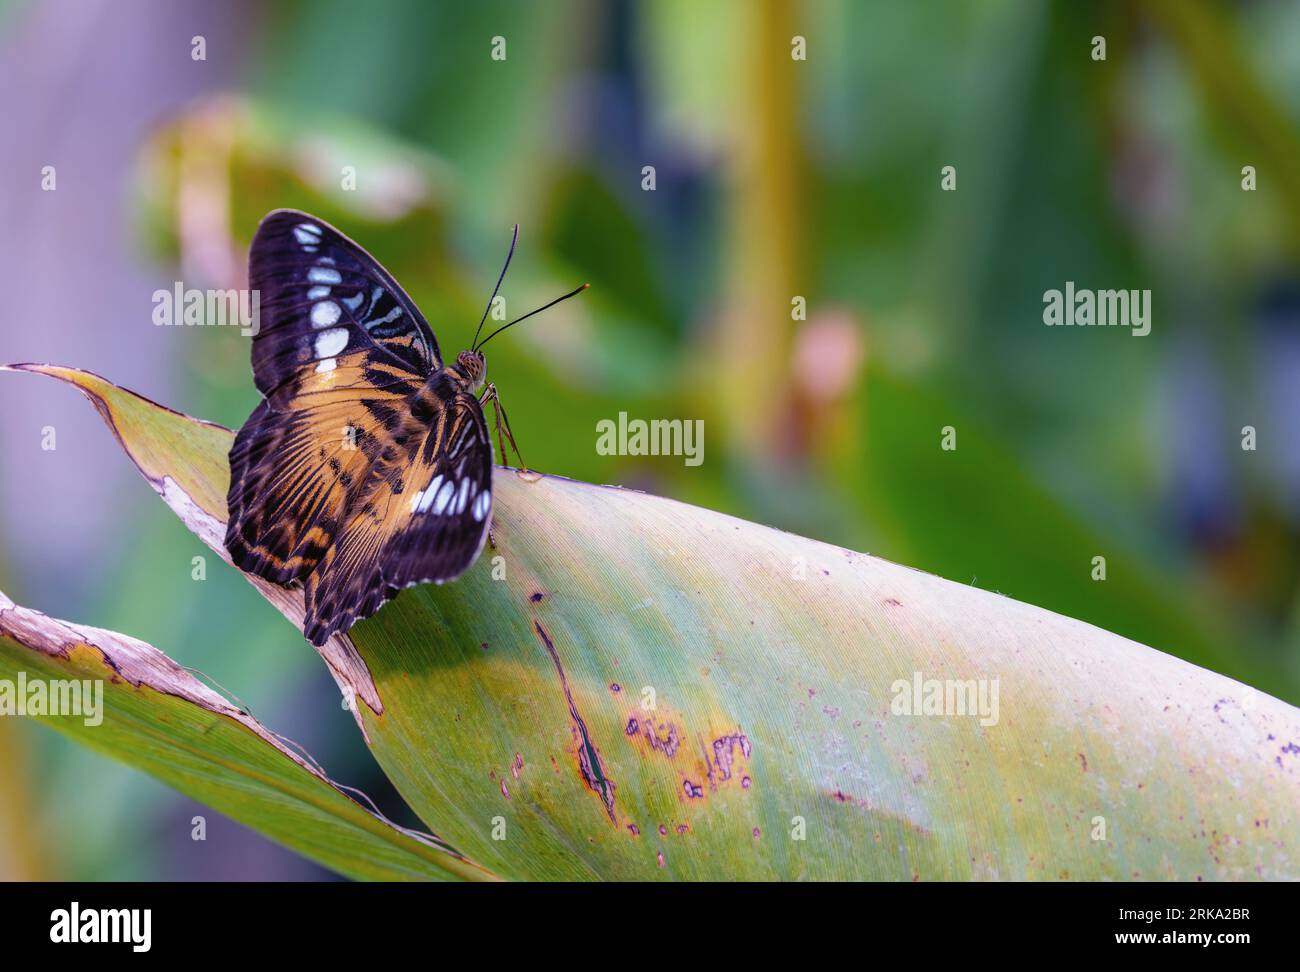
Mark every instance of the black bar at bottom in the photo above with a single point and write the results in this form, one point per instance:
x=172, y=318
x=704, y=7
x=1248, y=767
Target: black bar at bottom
x=339, y=921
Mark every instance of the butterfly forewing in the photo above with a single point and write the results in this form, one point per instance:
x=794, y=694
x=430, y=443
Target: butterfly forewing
x=360, y=416
x=323, y=298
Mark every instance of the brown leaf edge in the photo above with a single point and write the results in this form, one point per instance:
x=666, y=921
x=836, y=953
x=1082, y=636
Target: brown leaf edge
x=339, y=653
x=142, y=665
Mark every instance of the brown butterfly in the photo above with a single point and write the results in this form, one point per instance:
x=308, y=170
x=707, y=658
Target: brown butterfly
x=367, y=467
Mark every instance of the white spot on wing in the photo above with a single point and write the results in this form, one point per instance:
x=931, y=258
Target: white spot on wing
x=325, y=314
x=316, y=293
x=329, y=364
x=324, y=275
x=424, y=498
x=481, y=504
x=331, y=342
x=462, y=497
x=443, y=498
x=300, y=232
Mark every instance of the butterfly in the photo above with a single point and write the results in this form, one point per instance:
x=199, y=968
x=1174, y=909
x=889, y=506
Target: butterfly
x=367, y=466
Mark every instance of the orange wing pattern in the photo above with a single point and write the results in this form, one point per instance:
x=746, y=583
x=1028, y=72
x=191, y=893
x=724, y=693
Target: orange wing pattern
x=296, y=469
x=424, y=522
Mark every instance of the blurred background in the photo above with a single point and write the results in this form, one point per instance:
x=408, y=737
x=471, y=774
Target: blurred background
x=774, y=178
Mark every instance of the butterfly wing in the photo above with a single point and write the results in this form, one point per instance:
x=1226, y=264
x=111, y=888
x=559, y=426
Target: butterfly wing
x=424, y=522
x=448, y=486
x=338, y=352
x=366, y=468
x=294, y=472
x=322, y=298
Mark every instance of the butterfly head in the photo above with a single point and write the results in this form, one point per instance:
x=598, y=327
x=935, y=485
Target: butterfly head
x=472, y=366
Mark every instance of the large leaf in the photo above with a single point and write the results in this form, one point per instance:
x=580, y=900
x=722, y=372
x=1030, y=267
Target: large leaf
x=628, y=687
x=912, y=497
x=155, y=715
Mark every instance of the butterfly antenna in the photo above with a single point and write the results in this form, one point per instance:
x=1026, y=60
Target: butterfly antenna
x=509, y=256
x=571, y=293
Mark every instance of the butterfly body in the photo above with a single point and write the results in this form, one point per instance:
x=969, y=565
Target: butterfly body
x=367, y=467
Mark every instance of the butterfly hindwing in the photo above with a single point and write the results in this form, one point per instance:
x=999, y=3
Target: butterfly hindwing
x=449, y=485
x=425, y=522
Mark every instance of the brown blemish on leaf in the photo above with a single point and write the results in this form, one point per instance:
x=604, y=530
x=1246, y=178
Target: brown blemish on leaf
x=663, y=737
x=712, y=761
x=663, y=740
x=589, y=764
x=724, y=748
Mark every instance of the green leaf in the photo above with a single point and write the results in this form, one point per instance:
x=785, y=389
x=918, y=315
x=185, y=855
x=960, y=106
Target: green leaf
x=651, y=690
x=142, y=708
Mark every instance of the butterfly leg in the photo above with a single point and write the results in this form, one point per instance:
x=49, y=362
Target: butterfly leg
x=502, y=423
